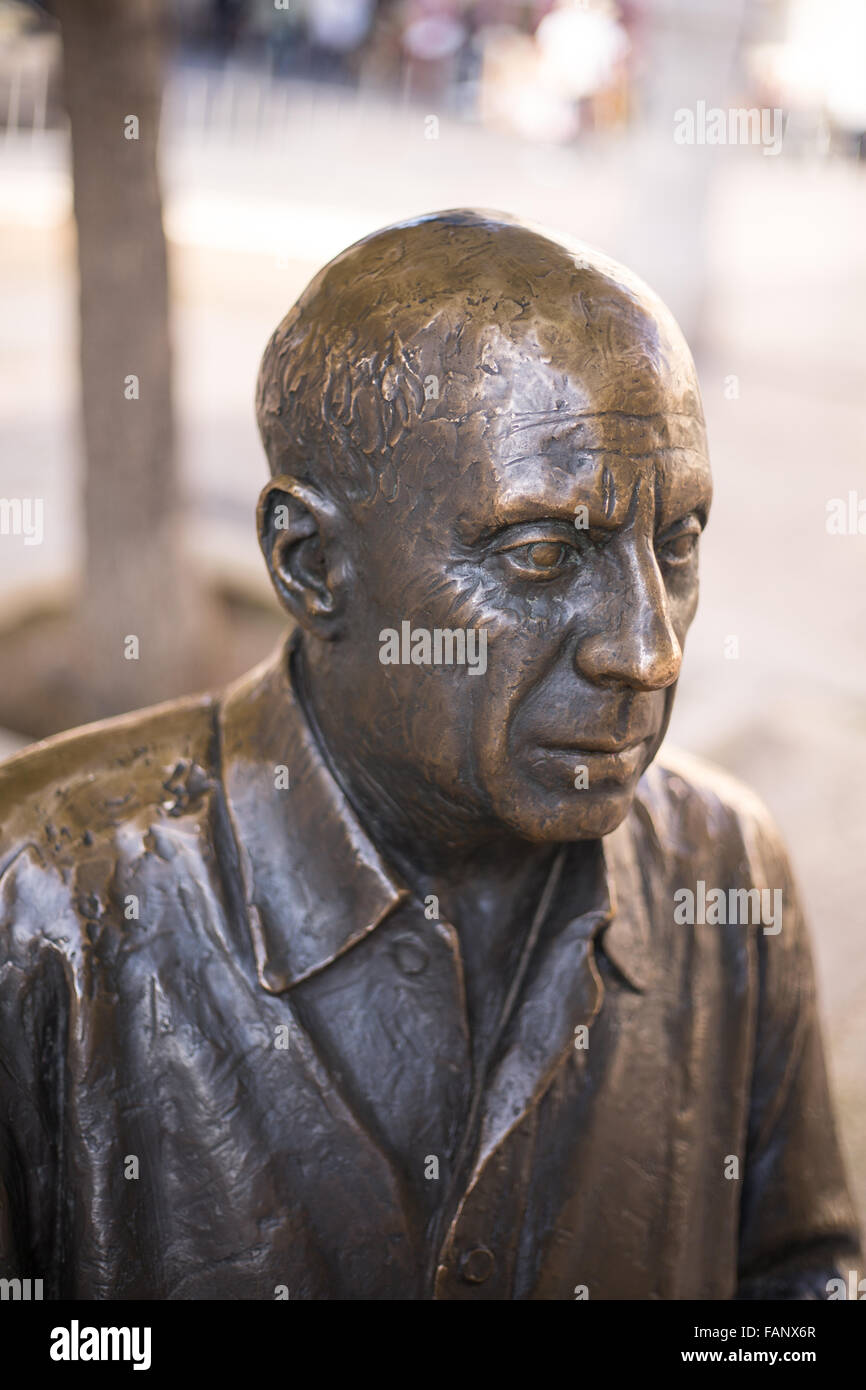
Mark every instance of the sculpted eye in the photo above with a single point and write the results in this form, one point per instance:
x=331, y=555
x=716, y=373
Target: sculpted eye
x=539, y=559
x=679, y=549
x=546, y=554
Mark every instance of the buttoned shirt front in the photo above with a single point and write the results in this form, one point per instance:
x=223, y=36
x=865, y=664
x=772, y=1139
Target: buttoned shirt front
x=236, y=1059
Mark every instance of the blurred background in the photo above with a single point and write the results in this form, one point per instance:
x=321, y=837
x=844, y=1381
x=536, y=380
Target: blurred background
x=172, y=172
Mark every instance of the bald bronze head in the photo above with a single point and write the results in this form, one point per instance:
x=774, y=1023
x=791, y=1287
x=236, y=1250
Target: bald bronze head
x=489, y=478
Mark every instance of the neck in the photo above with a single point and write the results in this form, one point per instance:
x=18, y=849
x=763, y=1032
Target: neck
x=438, y=848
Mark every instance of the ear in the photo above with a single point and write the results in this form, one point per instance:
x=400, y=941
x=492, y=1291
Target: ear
x=299, y=533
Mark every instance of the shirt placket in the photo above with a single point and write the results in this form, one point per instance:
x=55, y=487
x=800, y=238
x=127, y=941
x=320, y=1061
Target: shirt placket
x=476, y=1258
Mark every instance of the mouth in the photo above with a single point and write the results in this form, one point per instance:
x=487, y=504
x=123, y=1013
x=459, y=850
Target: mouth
x=599, y=746
x=605, y=761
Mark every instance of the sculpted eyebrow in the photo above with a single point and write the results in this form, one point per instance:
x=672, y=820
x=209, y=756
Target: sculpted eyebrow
x=524, y=511
x=519, y=511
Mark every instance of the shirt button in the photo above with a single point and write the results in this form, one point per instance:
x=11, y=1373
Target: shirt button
x=410, y=955
x=477, y=1265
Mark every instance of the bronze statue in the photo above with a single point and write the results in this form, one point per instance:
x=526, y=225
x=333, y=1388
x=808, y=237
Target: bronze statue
x=403, y=969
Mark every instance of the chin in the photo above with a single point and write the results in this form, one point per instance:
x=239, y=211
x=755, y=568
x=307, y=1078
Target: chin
x=554, y=819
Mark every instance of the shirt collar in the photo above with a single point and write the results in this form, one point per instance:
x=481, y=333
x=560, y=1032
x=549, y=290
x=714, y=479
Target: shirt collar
x=314, y=883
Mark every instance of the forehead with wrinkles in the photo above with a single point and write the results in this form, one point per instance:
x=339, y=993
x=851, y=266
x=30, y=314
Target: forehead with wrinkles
x=485, y=472
x=470, y=314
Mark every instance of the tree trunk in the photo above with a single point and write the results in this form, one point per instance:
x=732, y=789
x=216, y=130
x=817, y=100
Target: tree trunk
x=136, y=584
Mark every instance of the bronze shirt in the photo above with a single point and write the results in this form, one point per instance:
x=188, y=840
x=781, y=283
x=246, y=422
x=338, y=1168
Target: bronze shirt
x=235, y=1059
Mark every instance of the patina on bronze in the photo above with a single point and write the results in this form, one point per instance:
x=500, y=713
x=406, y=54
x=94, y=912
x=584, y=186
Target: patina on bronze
x=368, y=978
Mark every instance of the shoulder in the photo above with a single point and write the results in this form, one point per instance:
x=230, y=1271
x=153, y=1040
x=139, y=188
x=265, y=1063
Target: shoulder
x=77, y=787
x=698, y=810
x=85, y=812
x=697, y=782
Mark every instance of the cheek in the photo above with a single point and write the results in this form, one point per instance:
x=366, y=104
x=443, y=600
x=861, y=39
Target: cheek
x=527, y=644
x=682, y=605
x=503, y=710
x=439, y=716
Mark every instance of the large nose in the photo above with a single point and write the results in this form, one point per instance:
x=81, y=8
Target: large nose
x=637, y=646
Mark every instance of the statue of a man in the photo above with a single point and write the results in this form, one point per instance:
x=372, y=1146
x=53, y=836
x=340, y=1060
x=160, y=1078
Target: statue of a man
x=403, y=968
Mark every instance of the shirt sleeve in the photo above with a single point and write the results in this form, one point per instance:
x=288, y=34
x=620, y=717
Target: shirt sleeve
x=798, y=1229
x=33, y=1023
